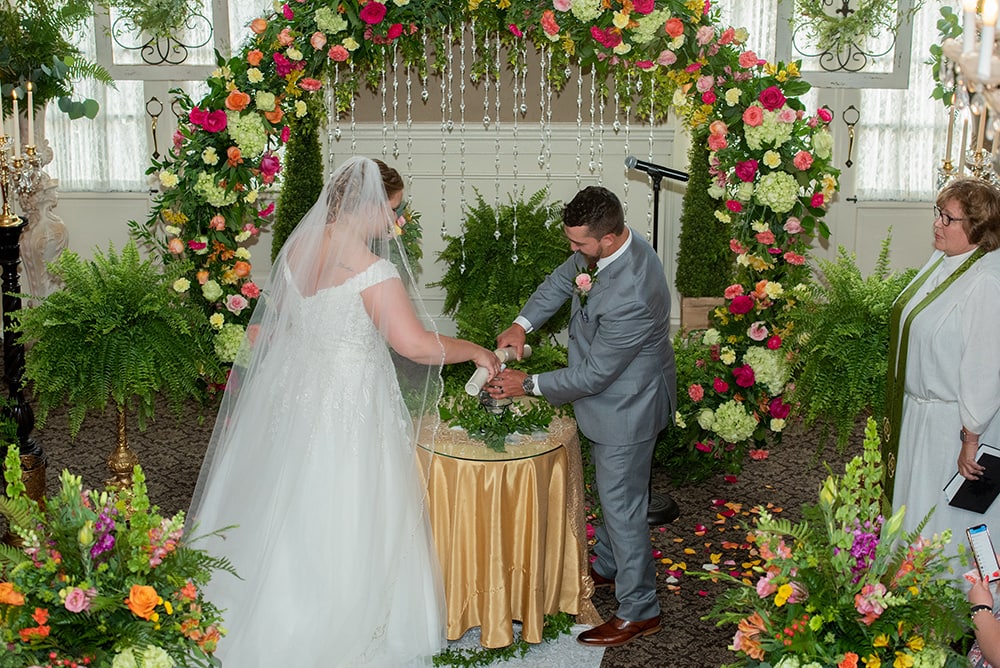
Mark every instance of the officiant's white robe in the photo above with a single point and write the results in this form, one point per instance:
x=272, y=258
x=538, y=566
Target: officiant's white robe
x=952, y=379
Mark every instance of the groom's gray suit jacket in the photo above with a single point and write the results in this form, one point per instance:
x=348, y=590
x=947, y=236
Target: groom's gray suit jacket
x=621, y=376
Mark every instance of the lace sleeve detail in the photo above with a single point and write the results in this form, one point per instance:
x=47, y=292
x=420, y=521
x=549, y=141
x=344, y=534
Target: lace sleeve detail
x=381, y=270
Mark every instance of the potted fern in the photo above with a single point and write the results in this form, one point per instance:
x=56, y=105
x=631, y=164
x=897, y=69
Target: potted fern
x=121, y=330
x=843, y=339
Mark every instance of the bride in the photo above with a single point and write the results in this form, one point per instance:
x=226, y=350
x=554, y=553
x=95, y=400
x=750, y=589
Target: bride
x=312, y=455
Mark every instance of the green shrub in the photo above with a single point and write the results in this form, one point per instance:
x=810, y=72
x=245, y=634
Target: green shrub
x=303, y=176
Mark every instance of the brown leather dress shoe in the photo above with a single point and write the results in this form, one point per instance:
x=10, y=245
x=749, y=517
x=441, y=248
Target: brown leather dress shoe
x=616, y=632
x=600, y=580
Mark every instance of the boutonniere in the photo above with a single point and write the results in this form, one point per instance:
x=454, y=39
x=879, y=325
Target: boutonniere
x=582, y=284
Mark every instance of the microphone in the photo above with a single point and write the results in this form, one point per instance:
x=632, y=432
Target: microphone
x=656, y=171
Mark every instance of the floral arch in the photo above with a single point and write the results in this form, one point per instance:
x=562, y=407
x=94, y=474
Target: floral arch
x=769, y=160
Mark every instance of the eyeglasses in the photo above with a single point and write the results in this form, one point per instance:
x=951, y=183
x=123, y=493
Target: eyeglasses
x=946, y=220
x=401, y=209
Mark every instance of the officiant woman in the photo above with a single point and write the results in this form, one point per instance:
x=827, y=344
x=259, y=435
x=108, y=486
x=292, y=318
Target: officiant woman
x=943, y=385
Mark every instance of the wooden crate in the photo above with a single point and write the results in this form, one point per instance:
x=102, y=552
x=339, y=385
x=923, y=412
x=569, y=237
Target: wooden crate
x=695, y=311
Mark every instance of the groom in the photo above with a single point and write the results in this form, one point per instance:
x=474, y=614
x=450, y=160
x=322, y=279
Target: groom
x=621, y=381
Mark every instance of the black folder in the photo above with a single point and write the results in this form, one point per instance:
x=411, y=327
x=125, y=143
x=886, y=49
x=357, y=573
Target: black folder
x=977, y=495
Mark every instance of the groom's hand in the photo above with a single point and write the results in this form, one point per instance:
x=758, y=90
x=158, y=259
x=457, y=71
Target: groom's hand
x=506, y=384
x=512, y=337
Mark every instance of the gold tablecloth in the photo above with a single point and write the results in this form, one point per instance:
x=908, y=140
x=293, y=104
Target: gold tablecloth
x=509, y=529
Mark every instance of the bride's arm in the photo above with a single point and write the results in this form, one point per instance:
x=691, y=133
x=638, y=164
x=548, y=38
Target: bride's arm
x=390, y=309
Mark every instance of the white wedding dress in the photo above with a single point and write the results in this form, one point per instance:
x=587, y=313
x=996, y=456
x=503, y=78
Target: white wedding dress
x=333, y=545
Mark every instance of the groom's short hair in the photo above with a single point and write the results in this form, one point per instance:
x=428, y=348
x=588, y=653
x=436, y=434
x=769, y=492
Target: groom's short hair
x=599, y=209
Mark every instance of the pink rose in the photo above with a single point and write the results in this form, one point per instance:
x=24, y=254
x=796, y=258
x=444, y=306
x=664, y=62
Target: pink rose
x=757, y=331
x=741, y=304
x=774, y=342
x=733, y=290
x=338, y=54
x=667, y=58
x=218, y=223
x=803, y=160
x=702, y=447
x=178, y=138
x=583, y=282
x=817, y=200
x=250, y=290
x=215, y=121
x=717, y=142
x=718, y=127
x=753, y=116
x=270, y=164
x=236, y=303
x=779, y=409
x=765, y=587
x=696, y=392
x=748, y=59
x=794, y=258
x=746, y=170
x=727, y=36
x=644, y=6
x=720, y=385
x=285, y=37
x=674, y=27
x=734, y=206
x=766, y=237
x=793, y=225
x=562, y=5
x=197, y=116
x=744, y=375
x=373, y=13
x=175, y=246
x=824, y=115
x=394, y=31
x=78, y=600
x=787, y=115
x=317, y=40
x=772, y=98
x=704, y=35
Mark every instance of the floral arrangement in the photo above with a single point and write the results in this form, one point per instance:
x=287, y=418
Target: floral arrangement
x=100, y=578
x=583, y=283
x=845, y=587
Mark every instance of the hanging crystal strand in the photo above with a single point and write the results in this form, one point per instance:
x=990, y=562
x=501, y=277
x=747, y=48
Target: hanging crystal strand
x=395, y=101
x=541, y=105
x=494, y=71
x=548, y=126
x=579, y=124
x=461, y=134
x=603, y=101
x=333, y=127
x=446, y=35
x=383, y=91
x=425, y=93
x=650, y=222
x=409, y=128
x=520, y=68
x=627, y=108
x=593, y=121
x=354, y=118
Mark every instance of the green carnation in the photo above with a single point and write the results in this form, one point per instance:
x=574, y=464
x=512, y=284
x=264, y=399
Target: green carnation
x=211, y=291
x=228, y=341
x=822, y=145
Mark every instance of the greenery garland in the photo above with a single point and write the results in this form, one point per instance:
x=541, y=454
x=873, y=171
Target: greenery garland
x=868, y=19
x=155, y=18
x=555, y=626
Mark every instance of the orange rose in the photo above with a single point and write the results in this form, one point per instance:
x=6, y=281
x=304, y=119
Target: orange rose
x=175, y=246
x=142, y=601
x=258, y=26
x=850, y=661
x=274, y=116
x=202, y=277
x=237, y=101
x=255, y=57
x=8, y=596
x=674, y=27
x=242, y=268
x=234, y=156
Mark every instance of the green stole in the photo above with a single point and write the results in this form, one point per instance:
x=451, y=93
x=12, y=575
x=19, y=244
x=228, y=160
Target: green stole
x=896, y=371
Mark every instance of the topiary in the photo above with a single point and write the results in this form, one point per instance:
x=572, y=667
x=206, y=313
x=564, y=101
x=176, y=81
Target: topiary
x=704, y=261
x=843, y=340
x=303, y=177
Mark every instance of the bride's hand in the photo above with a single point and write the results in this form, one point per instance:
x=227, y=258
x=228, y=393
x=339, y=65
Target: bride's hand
x=488, y=360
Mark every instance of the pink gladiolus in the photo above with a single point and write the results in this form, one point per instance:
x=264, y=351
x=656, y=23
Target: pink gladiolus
x=590, y=530
x=317, y=40
x=746, y=170
x=793, y=225
x=704, y=35
x=373, y=13
x=178, y=138
x=758, y=454
x=734, y=206
x=736, y=247
x=197, y=245
x=310, y=84
x=748, y=59
x=250, y=290
x=696, y=392
x=286, y=132
x=772, y=98
x=757, y=331
x=733, y=290
x=794, y=258
x=515, y=31
x=744, y=375
x=607, y=38
x=741, y=305
x=766, y=237
x=765, y=587
x=803, y=160
x=720, y=385
x=692, y=68
x=338, y=53
x=216, y=121
x=774, y=342
x=702, y=447
x=753, y=116
x=251, y=228
x=645, y=64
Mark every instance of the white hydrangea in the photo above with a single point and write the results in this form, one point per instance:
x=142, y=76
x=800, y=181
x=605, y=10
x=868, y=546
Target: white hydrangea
x=770, y=368
x=778, y=191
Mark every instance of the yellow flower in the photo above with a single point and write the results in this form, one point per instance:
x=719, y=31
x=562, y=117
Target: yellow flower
x=254, y=75
x=784, y=591
x=217, y=320
x=772, y=159
x=781, y=76
x=916, y=643
x=903, y=660
x=872, y=661
x=473, y=5
x=620, y=20
x=770, y=69
x=733, y=96
x=696, y=7
x=914, y=590
x=793, y=69
x=168, y=607
x=503, y=4
x=300, y=109
x=881, y=640
x=182, y=285
x=622, y=48
x=568, y=45
x=350, y=43
x=773, y=290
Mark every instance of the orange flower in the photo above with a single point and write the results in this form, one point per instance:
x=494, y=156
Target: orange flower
x=275, y=115
x=850, y=661
x=202, y=277
x=188, y=592
x=254, y=57
x=175, y=246
x=234, y=156
x=242, y=268
x=8, y=596
x=142, y=601
x=258, y=25
x=237, y=101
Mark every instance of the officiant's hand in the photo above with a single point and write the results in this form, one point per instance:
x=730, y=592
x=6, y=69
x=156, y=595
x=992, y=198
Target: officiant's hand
x=508, y=383
x=967, y=464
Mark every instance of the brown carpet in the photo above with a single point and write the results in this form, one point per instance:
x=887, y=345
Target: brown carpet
x=172, y=448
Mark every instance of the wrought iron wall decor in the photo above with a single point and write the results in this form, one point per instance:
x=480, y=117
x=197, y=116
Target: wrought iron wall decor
x=169, y=49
